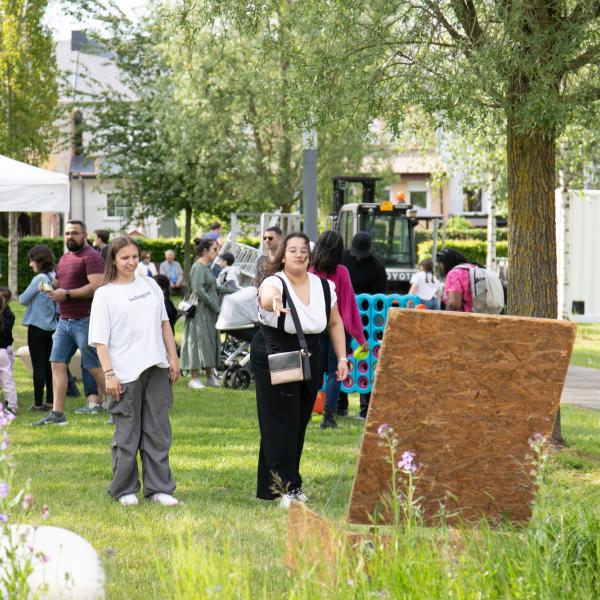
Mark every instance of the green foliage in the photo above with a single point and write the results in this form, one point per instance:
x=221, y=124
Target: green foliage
x=28, y=81
x=24, y=272
x=156, y=247
x=457, y=223
x=472, y=233
x=474, y=250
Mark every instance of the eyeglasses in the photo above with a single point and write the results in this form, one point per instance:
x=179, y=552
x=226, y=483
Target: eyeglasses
x=300, y=251
x=268, y=238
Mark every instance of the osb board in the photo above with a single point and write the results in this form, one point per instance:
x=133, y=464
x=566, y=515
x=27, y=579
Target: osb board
x=318, y=543
x=464, y=392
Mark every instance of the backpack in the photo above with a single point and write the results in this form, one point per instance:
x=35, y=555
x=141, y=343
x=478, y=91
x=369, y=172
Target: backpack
x=486, y=289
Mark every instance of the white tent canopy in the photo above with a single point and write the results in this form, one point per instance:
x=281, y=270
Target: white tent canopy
x=25, y=188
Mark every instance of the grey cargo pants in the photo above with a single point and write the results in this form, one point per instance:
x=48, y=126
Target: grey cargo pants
x=142, y=423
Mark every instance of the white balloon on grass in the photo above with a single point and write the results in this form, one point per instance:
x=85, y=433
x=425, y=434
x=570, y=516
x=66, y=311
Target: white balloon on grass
x=63, y=565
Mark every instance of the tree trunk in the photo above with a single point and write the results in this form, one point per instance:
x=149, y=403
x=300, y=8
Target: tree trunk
x=532, y=281
x=187, y=246
x=491, y=222
x=532, y=231
x=13, y=252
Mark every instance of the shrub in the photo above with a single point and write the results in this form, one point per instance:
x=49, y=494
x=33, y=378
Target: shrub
x=474, y=250
x=24, y=273
x=474, y=233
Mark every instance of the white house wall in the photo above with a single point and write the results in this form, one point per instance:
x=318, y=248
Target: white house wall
x=583, y=251
x=94, y=211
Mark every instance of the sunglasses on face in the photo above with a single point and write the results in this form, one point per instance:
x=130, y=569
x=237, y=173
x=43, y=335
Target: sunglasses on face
x=268, y=238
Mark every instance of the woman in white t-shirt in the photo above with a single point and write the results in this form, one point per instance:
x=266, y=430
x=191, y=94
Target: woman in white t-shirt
x=130, y=330
x=284, y=410
x=424, y=285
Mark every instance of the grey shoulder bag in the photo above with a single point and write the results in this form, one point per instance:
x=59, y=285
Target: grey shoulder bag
x=286, y=367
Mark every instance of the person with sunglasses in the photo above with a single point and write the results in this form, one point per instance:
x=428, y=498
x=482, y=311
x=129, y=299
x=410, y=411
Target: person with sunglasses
x=271, y=242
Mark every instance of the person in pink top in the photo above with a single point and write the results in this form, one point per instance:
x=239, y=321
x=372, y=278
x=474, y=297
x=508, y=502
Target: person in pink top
x=457, y=290
x=327, y=259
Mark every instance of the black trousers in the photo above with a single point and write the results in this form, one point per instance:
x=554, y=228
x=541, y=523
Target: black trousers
x=40, y=348
x=283, y=415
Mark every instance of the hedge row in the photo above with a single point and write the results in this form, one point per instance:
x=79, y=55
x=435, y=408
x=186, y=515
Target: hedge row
x=422, y=235
x=474, y=250
x=24, y=273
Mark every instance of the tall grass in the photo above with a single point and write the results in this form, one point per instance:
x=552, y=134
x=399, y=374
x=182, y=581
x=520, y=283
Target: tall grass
x=556, y=555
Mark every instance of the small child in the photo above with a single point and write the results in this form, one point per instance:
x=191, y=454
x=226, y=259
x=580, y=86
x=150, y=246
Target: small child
x=229, y=275
x=7, y=357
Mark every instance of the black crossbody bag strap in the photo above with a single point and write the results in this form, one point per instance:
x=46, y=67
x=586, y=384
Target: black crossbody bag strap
x=327, y=295
x=295, y=317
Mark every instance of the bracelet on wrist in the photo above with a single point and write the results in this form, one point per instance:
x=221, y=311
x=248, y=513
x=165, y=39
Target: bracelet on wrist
x=109, y=371
x=343, y=359
x=109, y=376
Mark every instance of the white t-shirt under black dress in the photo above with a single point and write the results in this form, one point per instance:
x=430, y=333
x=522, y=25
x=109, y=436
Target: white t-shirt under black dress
x=312, y=315
x=127, y=318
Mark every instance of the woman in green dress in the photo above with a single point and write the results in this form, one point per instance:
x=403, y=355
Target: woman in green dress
x=201, y=348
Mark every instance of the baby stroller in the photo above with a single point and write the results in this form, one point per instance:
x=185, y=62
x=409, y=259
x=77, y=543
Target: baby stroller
x=238, y=320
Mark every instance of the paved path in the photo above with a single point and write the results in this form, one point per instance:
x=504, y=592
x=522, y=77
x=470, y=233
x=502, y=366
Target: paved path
x=582, y=387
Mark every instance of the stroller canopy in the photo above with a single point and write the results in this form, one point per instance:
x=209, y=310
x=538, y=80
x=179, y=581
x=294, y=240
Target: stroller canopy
x=239, y=310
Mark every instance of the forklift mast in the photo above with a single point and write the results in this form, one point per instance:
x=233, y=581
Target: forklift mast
x=340, y=191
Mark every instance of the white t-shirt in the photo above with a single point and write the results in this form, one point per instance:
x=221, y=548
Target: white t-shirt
x=127, y=318
x=427, y=286
x=312, y=316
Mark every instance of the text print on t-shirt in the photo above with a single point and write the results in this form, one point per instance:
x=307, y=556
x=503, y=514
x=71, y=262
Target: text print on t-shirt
x=140, y=296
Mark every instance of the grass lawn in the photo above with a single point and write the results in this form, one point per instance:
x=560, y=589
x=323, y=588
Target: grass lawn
x=587, y=347
x=213, y=458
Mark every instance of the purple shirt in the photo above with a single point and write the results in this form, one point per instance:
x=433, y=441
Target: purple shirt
x=72, y=273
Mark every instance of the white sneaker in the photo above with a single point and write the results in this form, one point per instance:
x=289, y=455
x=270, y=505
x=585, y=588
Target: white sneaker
x=164, y=499
x=299, y=495
x=213, y=381
x=286, y=500
x=129, y=500
x=195, y=384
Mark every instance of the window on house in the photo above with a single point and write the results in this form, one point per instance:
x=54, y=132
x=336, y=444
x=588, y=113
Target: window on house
x=471, y=199
x=117, y=207
x=418, y=199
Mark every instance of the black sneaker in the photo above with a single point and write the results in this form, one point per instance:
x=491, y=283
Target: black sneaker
x=51, y=419
x=328, y=421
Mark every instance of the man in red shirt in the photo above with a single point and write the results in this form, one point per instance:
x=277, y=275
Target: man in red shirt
x=78, y=274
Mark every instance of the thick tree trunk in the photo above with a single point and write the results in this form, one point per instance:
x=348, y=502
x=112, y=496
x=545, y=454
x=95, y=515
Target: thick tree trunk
x=13, y=252
x=532, y=285
x=532, y=231
x=187, y=246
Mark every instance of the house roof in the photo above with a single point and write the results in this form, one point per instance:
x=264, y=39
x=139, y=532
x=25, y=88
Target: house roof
x=89, y=68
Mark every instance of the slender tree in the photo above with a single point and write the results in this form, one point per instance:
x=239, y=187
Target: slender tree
x=28, y=94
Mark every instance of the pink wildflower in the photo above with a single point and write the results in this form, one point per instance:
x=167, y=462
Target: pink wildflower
x=27, y=501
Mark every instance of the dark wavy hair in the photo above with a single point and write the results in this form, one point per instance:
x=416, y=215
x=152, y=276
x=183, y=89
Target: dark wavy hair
x=328, y=252
x=276, y=264
x=110, y=269
x=449, y=258
x=163, y=283
x=42, y=256
x=203, y=245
